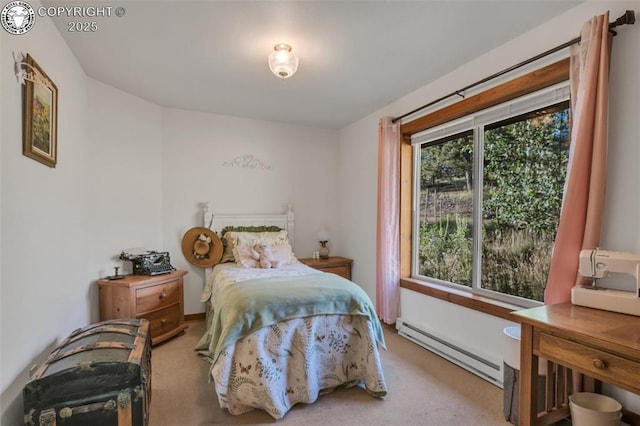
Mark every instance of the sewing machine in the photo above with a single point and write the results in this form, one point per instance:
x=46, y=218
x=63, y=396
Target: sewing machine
x=596, y=264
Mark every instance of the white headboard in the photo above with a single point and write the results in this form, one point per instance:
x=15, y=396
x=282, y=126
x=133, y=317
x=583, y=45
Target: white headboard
x=217, y=222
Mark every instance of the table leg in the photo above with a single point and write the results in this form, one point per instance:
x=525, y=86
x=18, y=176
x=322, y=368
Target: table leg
x=528, y=411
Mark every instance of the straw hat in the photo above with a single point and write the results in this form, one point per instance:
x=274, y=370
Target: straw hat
x=202, y=247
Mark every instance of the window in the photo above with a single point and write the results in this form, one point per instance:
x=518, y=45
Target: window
x=487, y=195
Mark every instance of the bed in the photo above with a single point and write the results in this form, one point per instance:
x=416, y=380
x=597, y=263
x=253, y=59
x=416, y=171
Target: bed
x=276, y=337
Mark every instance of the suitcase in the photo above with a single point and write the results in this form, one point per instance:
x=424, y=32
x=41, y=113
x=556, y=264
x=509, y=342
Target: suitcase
x=99, y=375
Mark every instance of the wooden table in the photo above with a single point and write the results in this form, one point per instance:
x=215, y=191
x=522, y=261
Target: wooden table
x=600, y=344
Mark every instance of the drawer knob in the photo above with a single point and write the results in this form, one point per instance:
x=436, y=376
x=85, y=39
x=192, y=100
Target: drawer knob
x=163, y=295
x=163, y=321
x=599, y=364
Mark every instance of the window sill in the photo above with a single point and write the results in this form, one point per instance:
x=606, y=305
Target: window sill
x=460, y=298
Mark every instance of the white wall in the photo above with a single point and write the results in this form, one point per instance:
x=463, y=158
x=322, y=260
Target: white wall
x=621, y=228
x=358, y=171
x=125, y=194
x=45, y=287
x=303, y=172
x=65, y=224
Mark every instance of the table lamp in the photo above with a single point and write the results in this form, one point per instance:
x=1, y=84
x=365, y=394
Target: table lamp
x=323, y=237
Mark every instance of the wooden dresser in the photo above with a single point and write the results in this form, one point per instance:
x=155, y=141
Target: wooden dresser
x=157, y=298
x=334, y=264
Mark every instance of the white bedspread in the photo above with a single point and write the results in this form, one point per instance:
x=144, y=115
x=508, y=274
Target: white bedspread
x=292, y=361
x=229, y=273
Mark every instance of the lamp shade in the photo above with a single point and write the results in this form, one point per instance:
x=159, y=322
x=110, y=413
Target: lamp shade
x=323, y=235
x=282, y=62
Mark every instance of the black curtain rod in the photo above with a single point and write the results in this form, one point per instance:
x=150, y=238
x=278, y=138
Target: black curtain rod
x=629, y=18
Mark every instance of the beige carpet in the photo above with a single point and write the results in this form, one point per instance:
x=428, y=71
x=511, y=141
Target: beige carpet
x=424, y=389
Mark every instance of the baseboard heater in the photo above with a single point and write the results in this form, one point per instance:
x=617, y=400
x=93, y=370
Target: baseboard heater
x=486, y=369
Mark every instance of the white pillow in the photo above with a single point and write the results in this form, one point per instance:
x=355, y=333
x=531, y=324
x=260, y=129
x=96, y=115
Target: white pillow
x=284, y=253
x=243, y=242
x=231, y=240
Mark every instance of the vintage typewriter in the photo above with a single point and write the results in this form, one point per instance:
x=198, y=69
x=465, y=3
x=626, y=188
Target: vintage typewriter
x=149, y=262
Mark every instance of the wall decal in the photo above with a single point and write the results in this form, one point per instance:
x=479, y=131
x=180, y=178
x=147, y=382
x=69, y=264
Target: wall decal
x=247, y=161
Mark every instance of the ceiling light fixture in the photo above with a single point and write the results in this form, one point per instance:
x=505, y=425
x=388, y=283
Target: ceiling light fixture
x=282, y=62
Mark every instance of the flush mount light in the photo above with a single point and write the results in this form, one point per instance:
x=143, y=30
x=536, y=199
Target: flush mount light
x=282, y=62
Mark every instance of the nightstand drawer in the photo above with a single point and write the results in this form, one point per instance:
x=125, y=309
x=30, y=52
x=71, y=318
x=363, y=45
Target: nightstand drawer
x=334, y=264
x=343, y=271
x=596, y=363
x=157, y=296
x=163, y=321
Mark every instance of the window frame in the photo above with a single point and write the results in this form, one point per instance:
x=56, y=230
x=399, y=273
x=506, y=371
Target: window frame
x=533, y=81
x=477, y=124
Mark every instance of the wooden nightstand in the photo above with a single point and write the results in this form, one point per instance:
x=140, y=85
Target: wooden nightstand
x=157, y=298
x=334, y=264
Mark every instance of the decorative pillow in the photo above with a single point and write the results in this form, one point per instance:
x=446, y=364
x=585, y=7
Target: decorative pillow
x=244, y=256
x=284, y=253
x=228, y=244
x=245, y=241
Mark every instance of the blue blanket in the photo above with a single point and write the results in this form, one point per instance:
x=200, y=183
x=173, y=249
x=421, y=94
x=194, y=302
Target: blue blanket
x=246, y=306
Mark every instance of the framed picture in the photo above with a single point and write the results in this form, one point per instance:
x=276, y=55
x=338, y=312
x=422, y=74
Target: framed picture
x=39, y=116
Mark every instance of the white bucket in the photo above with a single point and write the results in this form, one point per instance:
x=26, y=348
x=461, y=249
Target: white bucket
x=592, y=409
x=512, y=350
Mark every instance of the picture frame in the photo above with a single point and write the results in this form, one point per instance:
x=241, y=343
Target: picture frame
x=39, y=115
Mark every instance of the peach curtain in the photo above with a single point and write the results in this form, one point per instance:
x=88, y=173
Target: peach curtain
x=388, y=222
x=583, y=203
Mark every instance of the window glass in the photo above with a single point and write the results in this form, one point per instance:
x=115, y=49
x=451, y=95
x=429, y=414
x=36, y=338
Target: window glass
x=503, y=169
x=524, y=169
x=445, y=209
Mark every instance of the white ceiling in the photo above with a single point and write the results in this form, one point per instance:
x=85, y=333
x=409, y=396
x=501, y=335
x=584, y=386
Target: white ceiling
x=355, y=56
